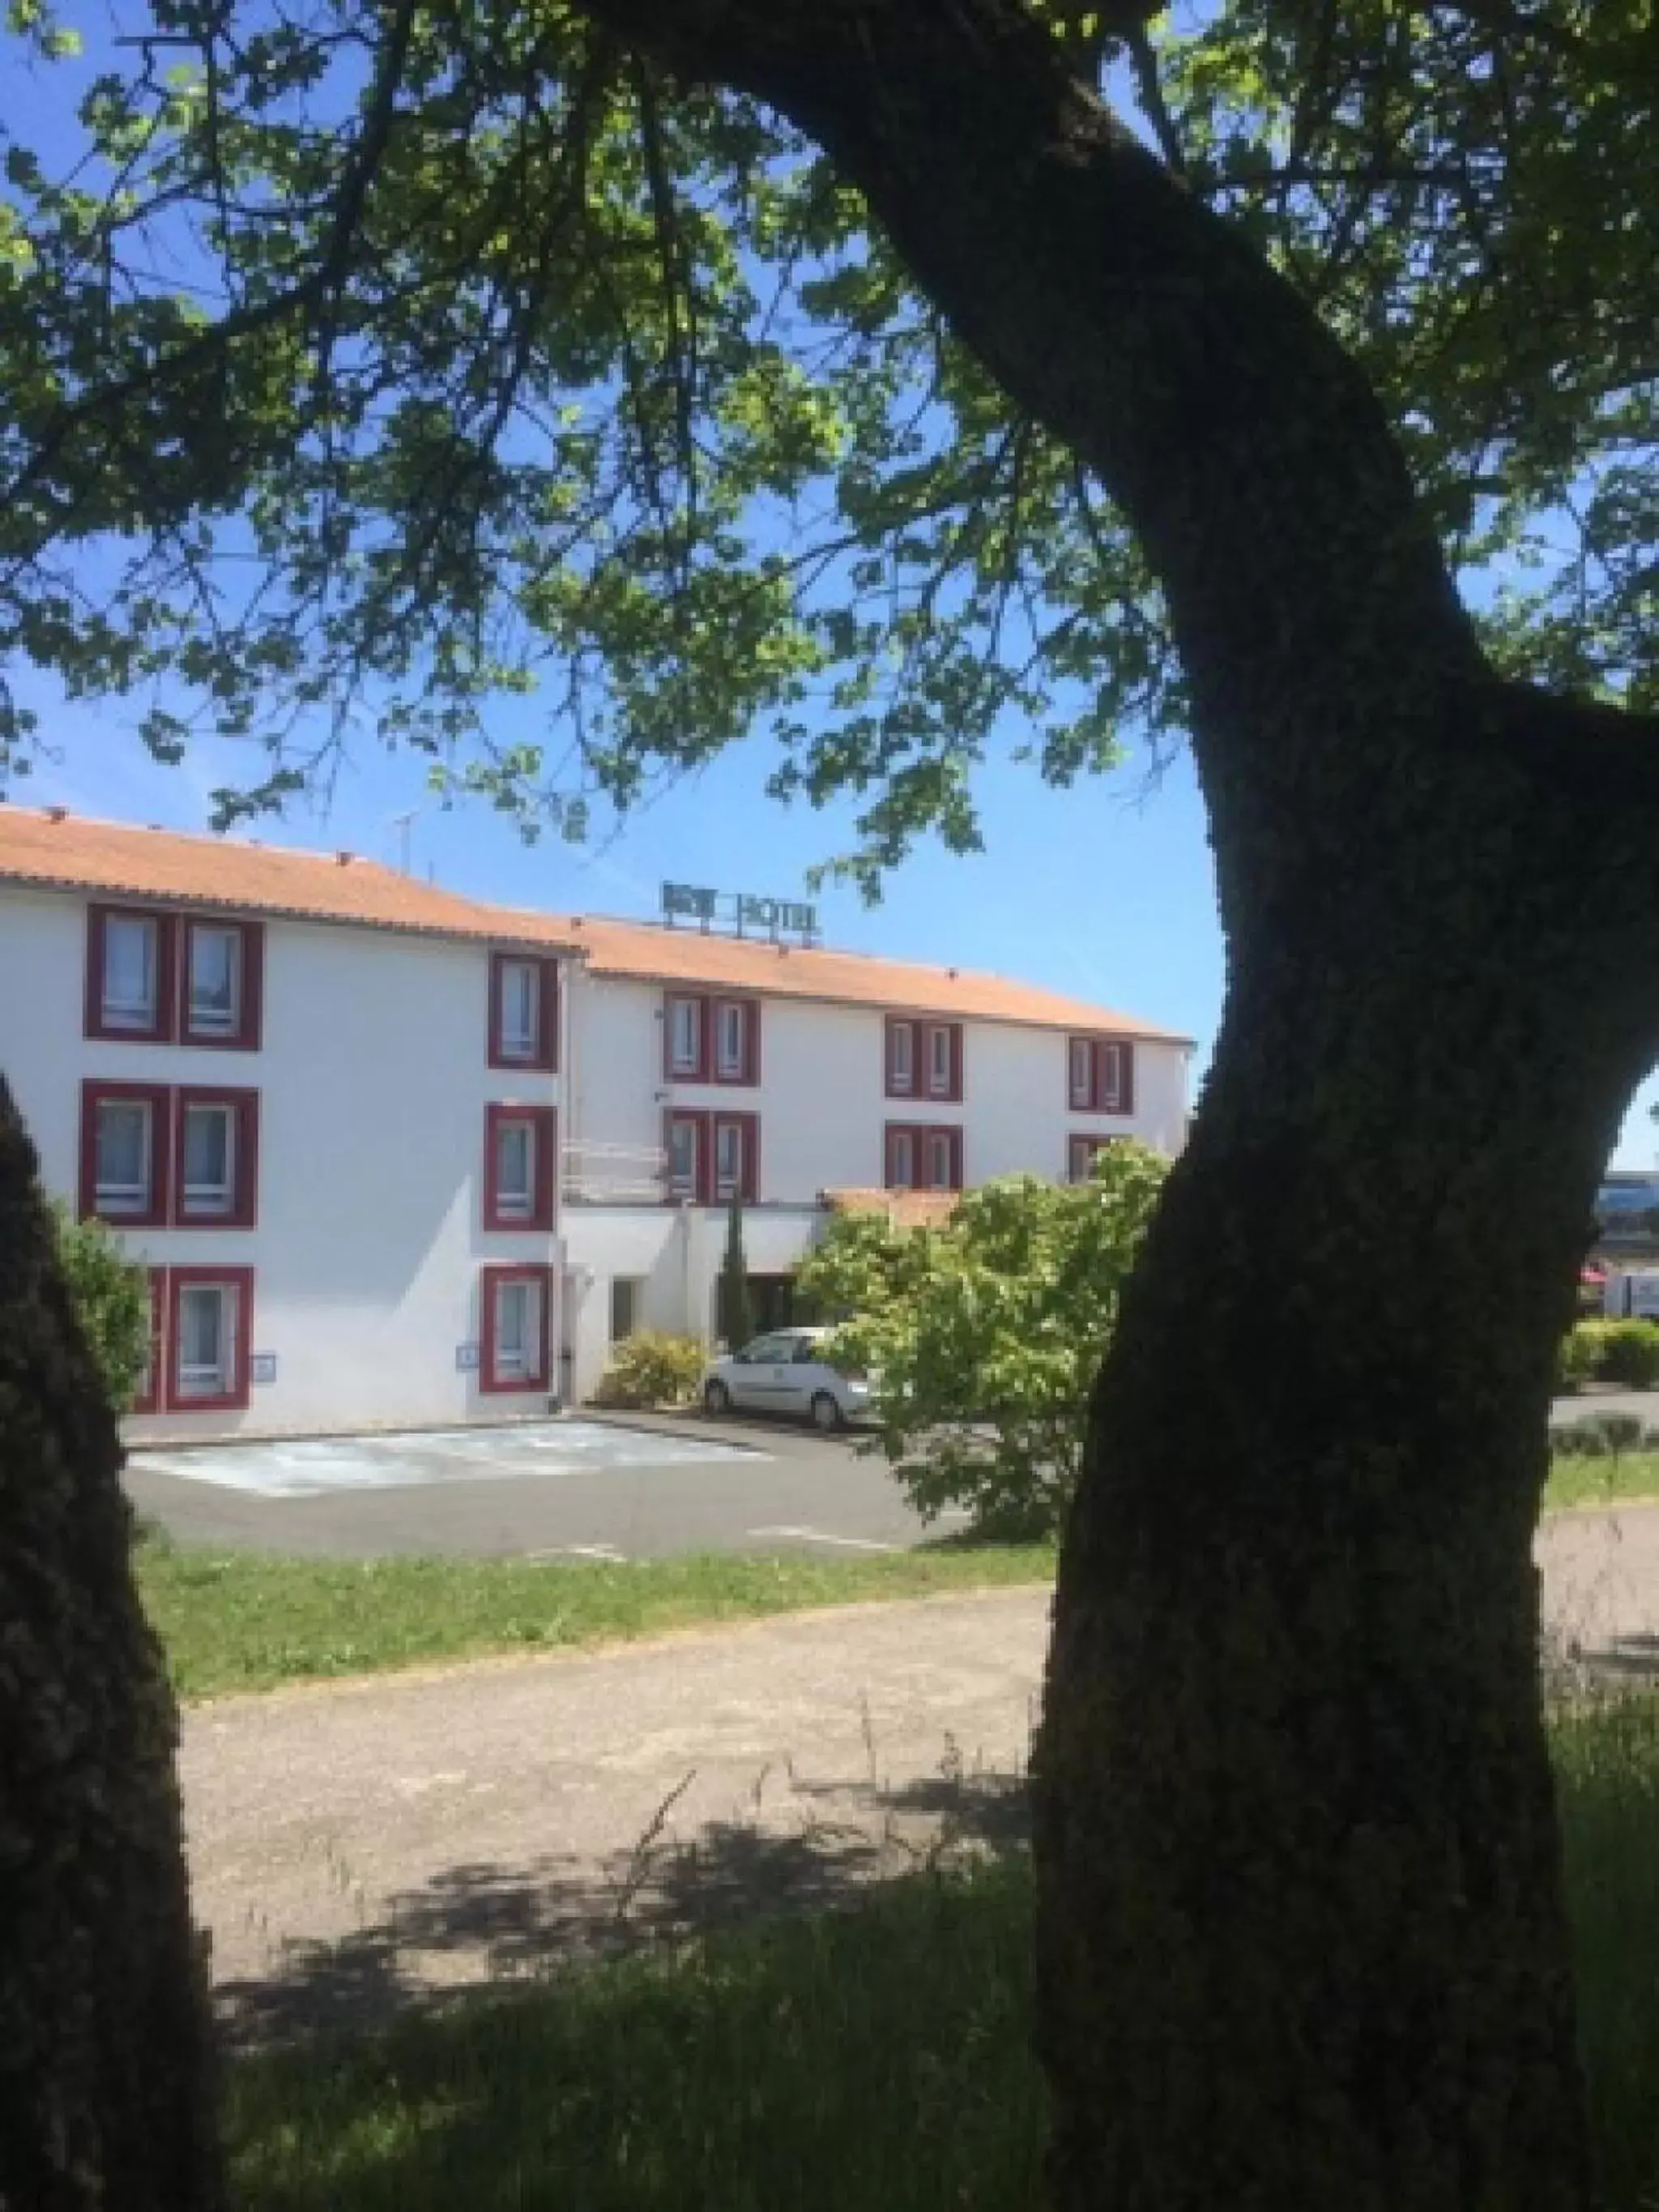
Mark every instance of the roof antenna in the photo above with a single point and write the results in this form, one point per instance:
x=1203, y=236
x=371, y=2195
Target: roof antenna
x=404, y=824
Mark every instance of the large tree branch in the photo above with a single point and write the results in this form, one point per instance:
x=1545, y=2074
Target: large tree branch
x=1248, y=450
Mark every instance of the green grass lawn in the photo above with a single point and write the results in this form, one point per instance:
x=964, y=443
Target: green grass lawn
x=248, y=1621
x=1604, y=1481
x=876, y=2060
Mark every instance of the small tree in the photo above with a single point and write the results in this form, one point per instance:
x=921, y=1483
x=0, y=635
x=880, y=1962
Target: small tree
x=983, y=1337
x=737, y=1311
x=111, y=1297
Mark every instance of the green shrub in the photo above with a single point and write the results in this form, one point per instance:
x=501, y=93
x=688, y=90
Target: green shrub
x=982, y=1337
x=652, y=1369
x=111, y=1294
x=1630, y=1353
x=1579, y=1357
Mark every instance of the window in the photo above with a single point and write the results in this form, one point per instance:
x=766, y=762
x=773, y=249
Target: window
x=1082, y=1153
x=217, y=1159
x=1100, y=1076
x=736, y=1157
x=685, y=1020
x=713, y=1157
x=206, y=1148
x=921, y=1159
x=900, y=1058
x=1083, y=1074
x=123, y=1153
x=624, y=1307
x=129, y=975
x=147, y=1395
x=900, y=1159
x=924, y=1058
x=223, y=965
x=520, y=1167
x=943, y=1060
x=710, y=1040
x=736, y=1028
x=728, y=1159
x=210, y=1324
x=515, y=1303
x=523, y=1011
x=684, y=1150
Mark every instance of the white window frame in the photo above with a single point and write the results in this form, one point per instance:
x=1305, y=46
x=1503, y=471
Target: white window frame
x=687, y=1013
x=902, y=1160
x=219, y=1380
x=524, y=1364
x=526, y=1043
x=199, y=1202
x=938, y=1143
x=1082, y=1062
x=683, y=1129
x=141, y=1017
x=212, y=1021
x=902, y=1059
x=728, y=1183
x=516, y=1205
x=118, y=1199
x=1111, y=1079
x=732, y=1030
x=939, y=1072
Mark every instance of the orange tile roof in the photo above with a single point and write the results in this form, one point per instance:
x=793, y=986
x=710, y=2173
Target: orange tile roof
x=904, y=1209
x=53, y=848
x=650, y=952
x=73, y=852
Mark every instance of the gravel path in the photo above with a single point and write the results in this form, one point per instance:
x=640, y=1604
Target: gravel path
x=370, y=1845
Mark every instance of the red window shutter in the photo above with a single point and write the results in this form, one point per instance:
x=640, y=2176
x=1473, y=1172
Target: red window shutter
x=1125, y=1064
x=148, y=1396
x=547, y=1167
x=752, y=1022
x=251, y=1036
x=751, y=1160
x=548, y=1058
x=955, y=1159
x=956, y=1061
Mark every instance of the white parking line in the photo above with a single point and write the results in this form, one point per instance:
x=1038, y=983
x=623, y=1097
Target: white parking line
x=821, y=1536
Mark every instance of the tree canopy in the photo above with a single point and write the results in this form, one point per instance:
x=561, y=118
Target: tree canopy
x=367, y=366
x=982, y=1337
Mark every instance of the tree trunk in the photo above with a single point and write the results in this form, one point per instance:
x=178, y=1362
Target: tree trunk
x=1302, y=1943
x=106, y=2088
x=1301, y=1939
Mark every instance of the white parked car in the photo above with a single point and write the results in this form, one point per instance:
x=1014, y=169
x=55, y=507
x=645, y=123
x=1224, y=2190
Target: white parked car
x=786, y=1373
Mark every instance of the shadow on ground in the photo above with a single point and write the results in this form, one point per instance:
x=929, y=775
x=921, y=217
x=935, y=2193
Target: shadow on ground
x=488, y=1924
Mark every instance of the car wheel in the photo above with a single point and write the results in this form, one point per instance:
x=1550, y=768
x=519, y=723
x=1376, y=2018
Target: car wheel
x=716, y=1399
x=826, y=1412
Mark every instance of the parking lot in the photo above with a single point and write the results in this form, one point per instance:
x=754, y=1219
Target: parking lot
x=587, y=1486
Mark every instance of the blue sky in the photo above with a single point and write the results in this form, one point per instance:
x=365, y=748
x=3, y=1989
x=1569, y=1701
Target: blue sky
x=1105, y=892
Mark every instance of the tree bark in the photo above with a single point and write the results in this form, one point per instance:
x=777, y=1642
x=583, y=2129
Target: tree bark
x=1301, y=1939
x=106, y=2065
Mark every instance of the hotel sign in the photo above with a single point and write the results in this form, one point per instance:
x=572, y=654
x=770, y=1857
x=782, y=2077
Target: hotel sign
x=743, y=911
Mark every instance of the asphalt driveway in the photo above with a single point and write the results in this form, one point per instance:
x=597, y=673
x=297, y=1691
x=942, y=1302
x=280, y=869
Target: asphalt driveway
x=582, y=1486
x=588, y=1486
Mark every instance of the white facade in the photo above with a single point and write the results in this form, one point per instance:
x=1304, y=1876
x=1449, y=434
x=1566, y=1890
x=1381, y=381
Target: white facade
x=368, y=1237
x=823, y=1111
x=373, y=1081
